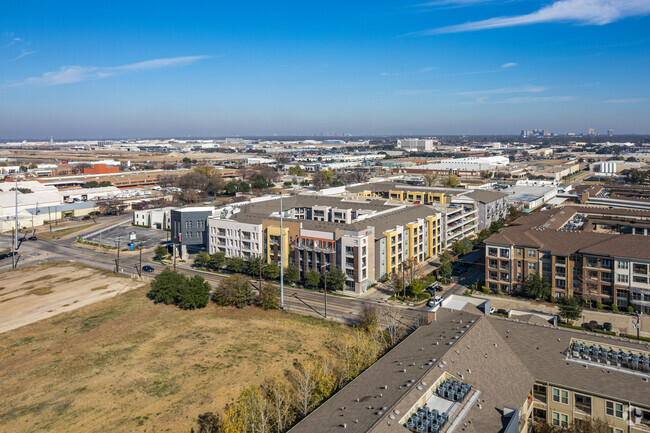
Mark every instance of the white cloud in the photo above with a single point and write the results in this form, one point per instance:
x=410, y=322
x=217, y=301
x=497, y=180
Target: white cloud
x=509, y=65
x=624, y=101
x=24, y=53
x=585, y=12
x=76, y=74
x=537, y=99
x=389, y=74
x=505, y=90
x=426, y=69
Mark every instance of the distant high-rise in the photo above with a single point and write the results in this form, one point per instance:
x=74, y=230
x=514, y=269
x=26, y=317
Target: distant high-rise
x=591, y=132
x=610, y=132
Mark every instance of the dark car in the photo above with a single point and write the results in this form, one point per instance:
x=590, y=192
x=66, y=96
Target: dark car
x=502, y=311
x=32, y=238
x=23, y=239
x=147, y=268
x=85, y=218
x=607, y=326
x=3, y=256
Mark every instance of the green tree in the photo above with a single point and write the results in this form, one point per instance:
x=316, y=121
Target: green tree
x=537, y=287
x=312, y=278
x=171, y=287
x=369, y=318
x=496, y=226
x=269, y=297
x=291, y=274
x=253, y=265
x=335, y=279
x=259, y=182
x=234, y=290
x=415, y=288
x=194, y=294
x=217, y=260
x=271, y=271
x=235, y=264
x=570, y=308
x=452, y=181
x=445, y=269
x=296, y=171
x=160, y=252
x=202, y=259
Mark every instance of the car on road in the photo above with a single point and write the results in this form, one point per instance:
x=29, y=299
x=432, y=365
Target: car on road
x=32, y=238
x=147, y=268
x=502, y=311
x=23, y=239
x=492, y=310
x=607, y=326
x=3, y=256
x=85, y=218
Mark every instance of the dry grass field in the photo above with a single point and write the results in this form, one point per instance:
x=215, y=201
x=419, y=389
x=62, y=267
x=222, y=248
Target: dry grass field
x=125, y=364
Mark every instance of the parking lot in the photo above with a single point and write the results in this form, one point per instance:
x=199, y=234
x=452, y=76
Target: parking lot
x=148, y=238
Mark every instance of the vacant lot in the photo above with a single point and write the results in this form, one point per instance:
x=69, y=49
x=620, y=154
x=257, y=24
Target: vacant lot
x=127, y=365
x=28, y=295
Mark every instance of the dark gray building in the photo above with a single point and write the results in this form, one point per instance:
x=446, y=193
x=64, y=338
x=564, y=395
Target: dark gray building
x=189, y=227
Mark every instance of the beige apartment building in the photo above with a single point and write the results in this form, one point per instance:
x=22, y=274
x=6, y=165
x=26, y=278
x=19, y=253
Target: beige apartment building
x=597, y=254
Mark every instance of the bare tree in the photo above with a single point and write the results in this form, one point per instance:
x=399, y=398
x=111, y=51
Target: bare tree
x=304, y=382
x=279, y=396
x=392, y=321
x=255, y=410
x=430, y=178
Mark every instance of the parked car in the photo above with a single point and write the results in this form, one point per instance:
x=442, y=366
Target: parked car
x=23, y=239
x=607, y=326
x=147, y=268
x=502, y=311
x=492, y=310
x=431, y=303
x=3, y=256
x=32, y=238
x=85, y=218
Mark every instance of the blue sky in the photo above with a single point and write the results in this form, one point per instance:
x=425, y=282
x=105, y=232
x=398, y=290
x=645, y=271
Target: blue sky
x=142, y=69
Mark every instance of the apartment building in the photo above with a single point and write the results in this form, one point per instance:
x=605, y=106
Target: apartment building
x=189, y=227
x=492, y=206
x=159, y=218
x=506, y=376
x=583, y=251
x=365, y=238
x=459, y=212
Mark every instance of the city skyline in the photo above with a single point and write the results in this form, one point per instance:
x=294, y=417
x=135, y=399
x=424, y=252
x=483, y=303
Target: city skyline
x=381, y=68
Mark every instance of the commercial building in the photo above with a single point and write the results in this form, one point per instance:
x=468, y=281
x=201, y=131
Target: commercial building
x=474, y=373
x=365, y=238
x=598, y=254
x=416, y=144
x=470, y=166
x=101, y=169
x=529, y=196
x=153, y=218
x=189, y=227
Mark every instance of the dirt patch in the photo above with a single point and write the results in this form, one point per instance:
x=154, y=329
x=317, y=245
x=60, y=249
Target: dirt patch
x=128, y=365
x=39, y=292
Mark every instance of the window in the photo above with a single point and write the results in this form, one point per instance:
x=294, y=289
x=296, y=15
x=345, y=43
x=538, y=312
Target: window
x=583, y=403
x=560, y=260
x=614, y=409
x=505, y=276
x=518, y=251
x=622, y=278
x=505, y=265
x=560, y=419
x=607, y=263
x=539, y=414
x=546, y=267
x=505, y=253
x=592, y=263
x=642, y=280
x=531, y=266
x=494, y=263
x=532, y=254
x=560, y=284
x=539, y=393
x=620, y=264
x=560, y=396
x=640, y=269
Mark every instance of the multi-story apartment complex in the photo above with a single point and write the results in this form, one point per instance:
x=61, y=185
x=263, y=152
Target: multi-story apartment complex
x=598, y=254
x=189, y=227
x=488, y=374
x=492, y=206
x=366, y=238
x=460, y=211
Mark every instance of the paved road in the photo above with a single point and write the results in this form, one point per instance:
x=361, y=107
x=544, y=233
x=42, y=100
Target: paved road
x=340, y=309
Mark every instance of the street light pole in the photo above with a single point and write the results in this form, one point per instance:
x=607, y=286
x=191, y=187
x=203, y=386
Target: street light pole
x=140, y=268
x=325, y=292
x=117, y=270
x=281, y=255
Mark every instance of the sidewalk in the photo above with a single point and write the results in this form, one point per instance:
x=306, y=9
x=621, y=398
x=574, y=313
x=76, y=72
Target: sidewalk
x=620, y=322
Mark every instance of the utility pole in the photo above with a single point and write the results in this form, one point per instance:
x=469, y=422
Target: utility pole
x=403, y=285
x=174, y=253
x=326, y=293
x=16, y=217
x=118, y=256
x=140, y=268
x=282, y=258
x=260, y=285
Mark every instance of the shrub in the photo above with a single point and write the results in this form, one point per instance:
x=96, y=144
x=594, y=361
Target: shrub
x=269, y=297
x=171, y=287
x=234, y=290
x=614, y=307
x=599, y=305
x=630, y=309
x=485, y=289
